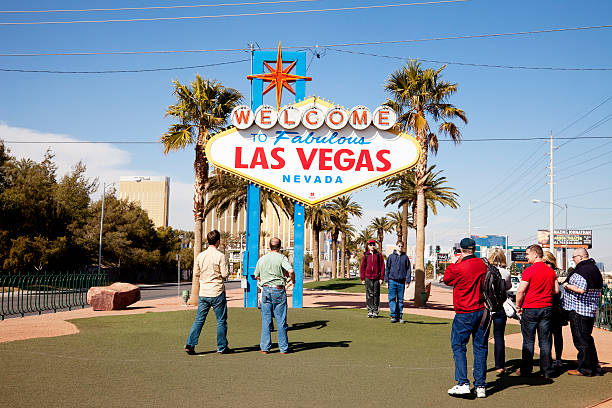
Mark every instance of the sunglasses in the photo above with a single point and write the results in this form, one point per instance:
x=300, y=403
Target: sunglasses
x=371, y=244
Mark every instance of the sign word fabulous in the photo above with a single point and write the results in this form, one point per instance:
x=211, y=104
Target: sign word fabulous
x=313, y=150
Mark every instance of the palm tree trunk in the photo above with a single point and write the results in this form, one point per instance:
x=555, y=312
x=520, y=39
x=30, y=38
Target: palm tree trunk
x=342, y=264
x=334, y=258
x=315, y=253
x=381, y=236
x=419, y=273
x=201, y=178
x=405, y=223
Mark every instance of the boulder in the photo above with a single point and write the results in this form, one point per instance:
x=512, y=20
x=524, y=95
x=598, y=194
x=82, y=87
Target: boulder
x=114, y=297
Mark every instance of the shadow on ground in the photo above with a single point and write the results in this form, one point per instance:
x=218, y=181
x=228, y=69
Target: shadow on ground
x=319, y=324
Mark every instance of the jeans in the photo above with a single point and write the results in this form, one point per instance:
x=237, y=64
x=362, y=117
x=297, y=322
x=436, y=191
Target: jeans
x=464, y=325
x=396, y=298
x=219, y=305
x=582, y=329
x=536, y=319
x=556, y=332
x=274, y=301
x=499, y=327
x=372, y=295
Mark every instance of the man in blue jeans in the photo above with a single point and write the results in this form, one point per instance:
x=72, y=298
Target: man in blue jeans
x=397, y=276
x=466, y=276
x=273, y=270
x=210, y=268
x=534, y=304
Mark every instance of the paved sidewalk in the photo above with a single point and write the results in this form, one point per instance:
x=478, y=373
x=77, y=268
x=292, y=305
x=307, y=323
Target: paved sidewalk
x=439, y=305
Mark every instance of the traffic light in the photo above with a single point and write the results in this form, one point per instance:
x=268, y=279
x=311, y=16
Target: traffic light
x=437, y=249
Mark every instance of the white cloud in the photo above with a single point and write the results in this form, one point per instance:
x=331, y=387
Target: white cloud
x=100, y=158
x=103, y=160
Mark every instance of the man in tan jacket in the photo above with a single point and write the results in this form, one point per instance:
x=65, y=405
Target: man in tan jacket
x=212, y=268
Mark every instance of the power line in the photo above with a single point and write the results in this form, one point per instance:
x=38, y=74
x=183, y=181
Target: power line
x=155, y=7
x=473, y=64
x=304, y=46
x=582, y=117
x=263, y=13
x=231, y=62
x=583, y=194
x=592, y=127
x=121, y=71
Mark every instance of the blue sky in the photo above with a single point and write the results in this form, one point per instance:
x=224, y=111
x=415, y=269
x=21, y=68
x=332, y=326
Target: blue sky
x=499, y=178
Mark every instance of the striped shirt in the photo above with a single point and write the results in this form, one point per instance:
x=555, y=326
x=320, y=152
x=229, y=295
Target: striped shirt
x=584, y=304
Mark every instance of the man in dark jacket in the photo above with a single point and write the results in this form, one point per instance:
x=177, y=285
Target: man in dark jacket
x=581, y=299
x=466, y=276
x=397, y=275
x=372, y=272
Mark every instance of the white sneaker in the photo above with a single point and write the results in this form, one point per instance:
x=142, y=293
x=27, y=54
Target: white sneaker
x=481, y=392
x=462, y=389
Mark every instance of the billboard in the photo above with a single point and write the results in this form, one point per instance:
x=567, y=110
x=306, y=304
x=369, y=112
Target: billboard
x=313, y=150
x=490, y=241
x=570, y=238
x=518, y=255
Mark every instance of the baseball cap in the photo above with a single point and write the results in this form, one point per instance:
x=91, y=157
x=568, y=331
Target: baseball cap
x=467, y=243
x=371, y=241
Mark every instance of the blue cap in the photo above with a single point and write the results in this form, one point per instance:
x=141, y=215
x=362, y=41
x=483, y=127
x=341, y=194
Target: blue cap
x=467, y=243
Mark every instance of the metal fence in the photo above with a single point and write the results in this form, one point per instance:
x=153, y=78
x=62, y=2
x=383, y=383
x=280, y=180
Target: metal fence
x=38, y=292
x=604, y=313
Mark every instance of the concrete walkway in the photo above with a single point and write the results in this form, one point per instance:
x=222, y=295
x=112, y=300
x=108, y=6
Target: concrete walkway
x=439, y=305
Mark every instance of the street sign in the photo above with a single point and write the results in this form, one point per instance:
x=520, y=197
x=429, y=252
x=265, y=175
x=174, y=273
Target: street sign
x=443, y=258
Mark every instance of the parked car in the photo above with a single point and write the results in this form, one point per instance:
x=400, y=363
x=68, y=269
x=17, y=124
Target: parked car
x=515, y=284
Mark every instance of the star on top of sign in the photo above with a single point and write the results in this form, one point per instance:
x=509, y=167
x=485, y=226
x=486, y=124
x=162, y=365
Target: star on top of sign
x=278, y=77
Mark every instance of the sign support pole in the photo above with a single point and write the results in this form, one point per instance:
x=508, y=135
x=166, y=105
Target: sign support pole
x=253, y=197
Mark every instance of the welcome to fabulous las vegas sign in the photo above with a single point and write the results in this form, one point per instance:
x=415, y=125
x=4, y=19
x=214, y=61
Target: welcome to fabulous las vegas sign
x=313, y=150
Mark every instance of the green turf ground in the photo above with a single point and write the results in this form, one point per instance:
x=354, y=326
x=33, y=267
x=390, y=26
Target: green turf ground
x=352, y=285
x=341, y=359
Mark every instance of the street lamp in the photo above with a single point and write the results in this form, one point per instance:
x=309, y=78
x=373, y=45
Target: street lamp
x=552, y=231
x=101, y=226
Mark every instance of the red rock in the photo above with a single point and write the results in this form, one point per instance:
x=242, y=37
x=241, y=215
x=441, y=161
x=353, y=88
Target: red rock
x=114, y=297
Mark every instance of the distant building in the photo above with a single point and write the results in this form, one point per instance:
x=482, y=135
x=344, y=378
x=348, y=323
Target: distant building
x=151, y=193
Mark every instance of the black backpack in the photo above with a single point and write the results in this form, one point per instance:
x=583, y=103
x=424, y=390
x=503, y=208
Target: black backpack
x=493, y=288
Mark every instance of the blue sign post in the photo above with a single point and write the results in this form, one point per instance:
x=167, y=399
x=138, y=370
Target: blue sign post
x=253, y=197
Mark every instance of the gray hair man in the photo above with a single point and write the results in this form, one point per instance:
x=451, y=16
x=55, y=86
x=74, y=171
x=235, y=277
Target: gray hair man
x=274, y=271
x=582, y=290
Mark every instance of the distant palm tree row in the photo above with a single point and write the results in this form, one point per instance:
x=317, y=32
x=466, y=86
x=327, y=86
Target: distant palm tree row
x=203, y=107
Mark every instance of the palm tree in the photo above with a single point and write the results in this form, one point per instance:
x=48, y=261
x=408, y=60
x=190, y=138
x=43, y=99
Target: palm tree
x=341, y=209
x=363, y=237
x=318, y=216
x=400, y=192
x=224, y=192
x=381, y=225
x=396, y=221
x=202, y=109
x=417, y=93
x=350, y=248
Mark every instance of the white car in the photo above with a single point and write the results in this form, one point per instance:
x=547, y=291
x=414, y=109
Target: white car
x=515, y=284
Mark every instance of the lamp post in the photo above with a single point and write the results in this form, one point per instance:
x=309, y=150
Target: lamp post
x=552, y=231
x=101, y=226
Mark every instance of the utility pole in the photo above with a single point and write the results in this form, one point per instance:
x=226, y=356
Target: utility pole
x=552, y=198
x=470, y=219
x=101, y=226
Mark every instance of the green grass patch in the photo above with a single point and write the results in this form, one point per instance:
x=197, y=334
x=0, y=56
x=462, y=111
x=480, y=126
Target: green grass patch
x=352, y=285
x=340, y=359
